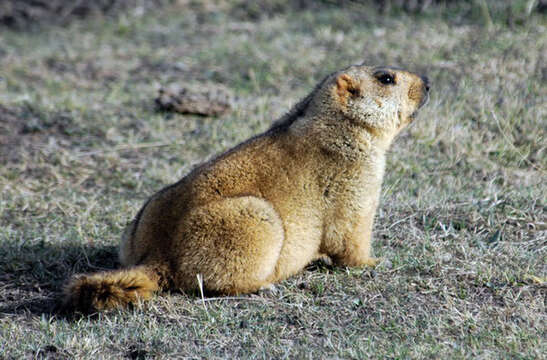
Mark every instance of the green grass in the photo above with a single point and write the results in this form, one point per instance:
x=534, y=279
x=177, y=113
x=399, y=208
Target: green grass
x=461, y=226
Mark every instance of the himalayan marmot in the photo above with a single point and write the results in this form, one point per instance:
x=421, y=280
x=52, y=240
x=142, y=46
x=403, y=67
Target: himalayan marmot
x=260, y=212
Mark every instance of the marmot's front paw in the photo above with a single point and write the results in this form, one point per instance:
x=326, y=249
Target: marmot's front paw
x=325, y=260
x=372, y=262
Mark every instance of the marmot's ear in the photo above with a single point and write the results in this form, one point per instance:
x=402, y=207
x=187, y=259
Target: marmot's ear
x=346, y=86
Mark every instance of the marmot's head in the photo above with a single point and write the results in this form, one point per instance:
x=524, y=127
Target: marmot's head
x=381, y=99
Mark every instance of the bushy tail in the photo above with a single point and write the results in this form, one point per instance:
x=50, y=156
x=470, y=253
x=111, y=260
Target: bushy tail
x=110, y=289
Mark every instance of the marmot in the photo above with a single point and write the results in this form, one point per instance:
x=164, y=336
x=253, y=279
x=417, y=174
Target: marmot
x=306, y=188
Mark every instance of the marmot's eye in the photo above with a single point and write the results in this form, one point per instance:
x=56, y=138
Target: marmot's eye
x=386, y=79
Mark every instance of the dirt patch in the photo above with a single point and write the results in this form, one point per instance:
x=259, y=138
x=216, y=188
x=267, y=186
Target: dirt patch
x=207, y=100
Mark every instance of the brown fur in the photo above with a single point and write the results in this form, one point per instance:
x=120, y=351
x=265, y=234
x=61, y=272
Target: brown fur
x=260, y=212
x=108, y=290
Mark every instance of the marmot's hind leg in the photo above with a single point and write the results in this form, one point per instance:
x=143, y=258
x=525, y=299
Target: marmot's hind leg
x=234, y=244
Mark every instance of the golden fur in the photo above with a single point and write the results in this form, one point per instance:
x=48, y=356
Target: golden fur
x=260, y=212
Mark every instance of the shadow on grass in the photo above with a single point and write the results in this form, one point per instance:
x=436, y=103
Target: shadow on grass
x=32, y=275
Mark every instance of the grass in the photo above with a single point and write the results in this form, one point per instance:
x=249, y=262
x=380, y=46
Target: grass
x=461, y=226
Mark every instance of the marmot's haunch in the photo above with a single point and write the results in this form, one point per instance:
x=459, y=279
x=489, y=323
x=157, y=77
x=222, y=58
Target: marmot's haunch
x=260, y=212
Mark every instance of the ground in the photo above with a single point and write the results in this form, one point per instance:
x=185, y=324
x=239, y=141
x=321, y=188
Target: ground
x=462, y=224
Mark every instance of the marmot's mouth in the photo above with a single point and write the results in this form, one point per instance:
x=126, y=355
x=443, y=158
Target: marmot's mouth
x=424, y=101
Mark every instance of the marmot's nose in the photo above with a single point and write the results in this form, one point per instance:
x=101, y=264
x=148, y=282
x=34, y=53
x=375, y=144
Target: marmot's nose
x=426, y=82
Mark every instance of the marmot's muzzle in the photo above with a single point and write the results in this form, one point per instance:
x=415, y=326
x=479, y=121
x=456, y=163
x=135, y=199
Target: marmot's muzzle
x=425, y=96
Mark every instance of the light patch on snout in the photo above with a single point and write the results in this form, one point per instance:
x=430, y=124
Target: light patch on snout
x=416, y=93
